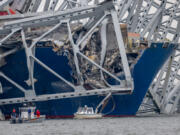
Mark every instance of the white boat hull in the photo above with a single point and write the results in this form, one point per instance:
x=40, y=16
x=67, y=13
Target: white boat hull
x=87, y=116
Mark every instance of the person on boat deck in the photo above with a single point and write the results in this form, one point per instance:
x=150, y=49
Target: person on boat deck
x=14, y=113
x=37, y=113
x=29, y=113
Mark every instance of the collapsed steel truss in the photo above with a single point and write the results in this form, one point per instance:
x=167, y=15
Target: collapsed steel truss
x=56, y=19
x=159, y=21
x=155, y=20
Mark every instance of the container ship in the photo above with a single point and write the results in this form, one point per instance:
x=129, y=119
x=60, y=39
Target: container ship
x=55, y=67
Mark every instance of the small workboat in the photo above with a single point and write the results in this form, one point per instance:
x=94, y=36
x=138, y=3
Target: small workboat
x=26, y=116
x=86, y=113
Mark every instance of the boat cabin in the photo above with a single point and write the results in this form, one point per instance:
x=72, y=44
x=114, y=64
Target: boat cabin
x=27, y=112
x=85, y=110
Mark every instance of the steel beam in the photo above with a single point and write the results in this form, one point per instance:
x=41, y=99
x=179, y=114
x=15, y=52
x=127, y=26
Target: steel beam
x=65, y=95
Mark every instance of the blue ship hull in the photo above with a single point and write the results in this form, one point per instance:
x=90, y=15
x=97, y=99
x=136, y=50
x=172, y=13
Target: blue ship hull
x=143, y=73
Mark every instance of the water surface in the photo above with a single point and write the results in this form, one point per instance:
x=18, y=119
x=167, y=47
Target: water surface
x=153, y=125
